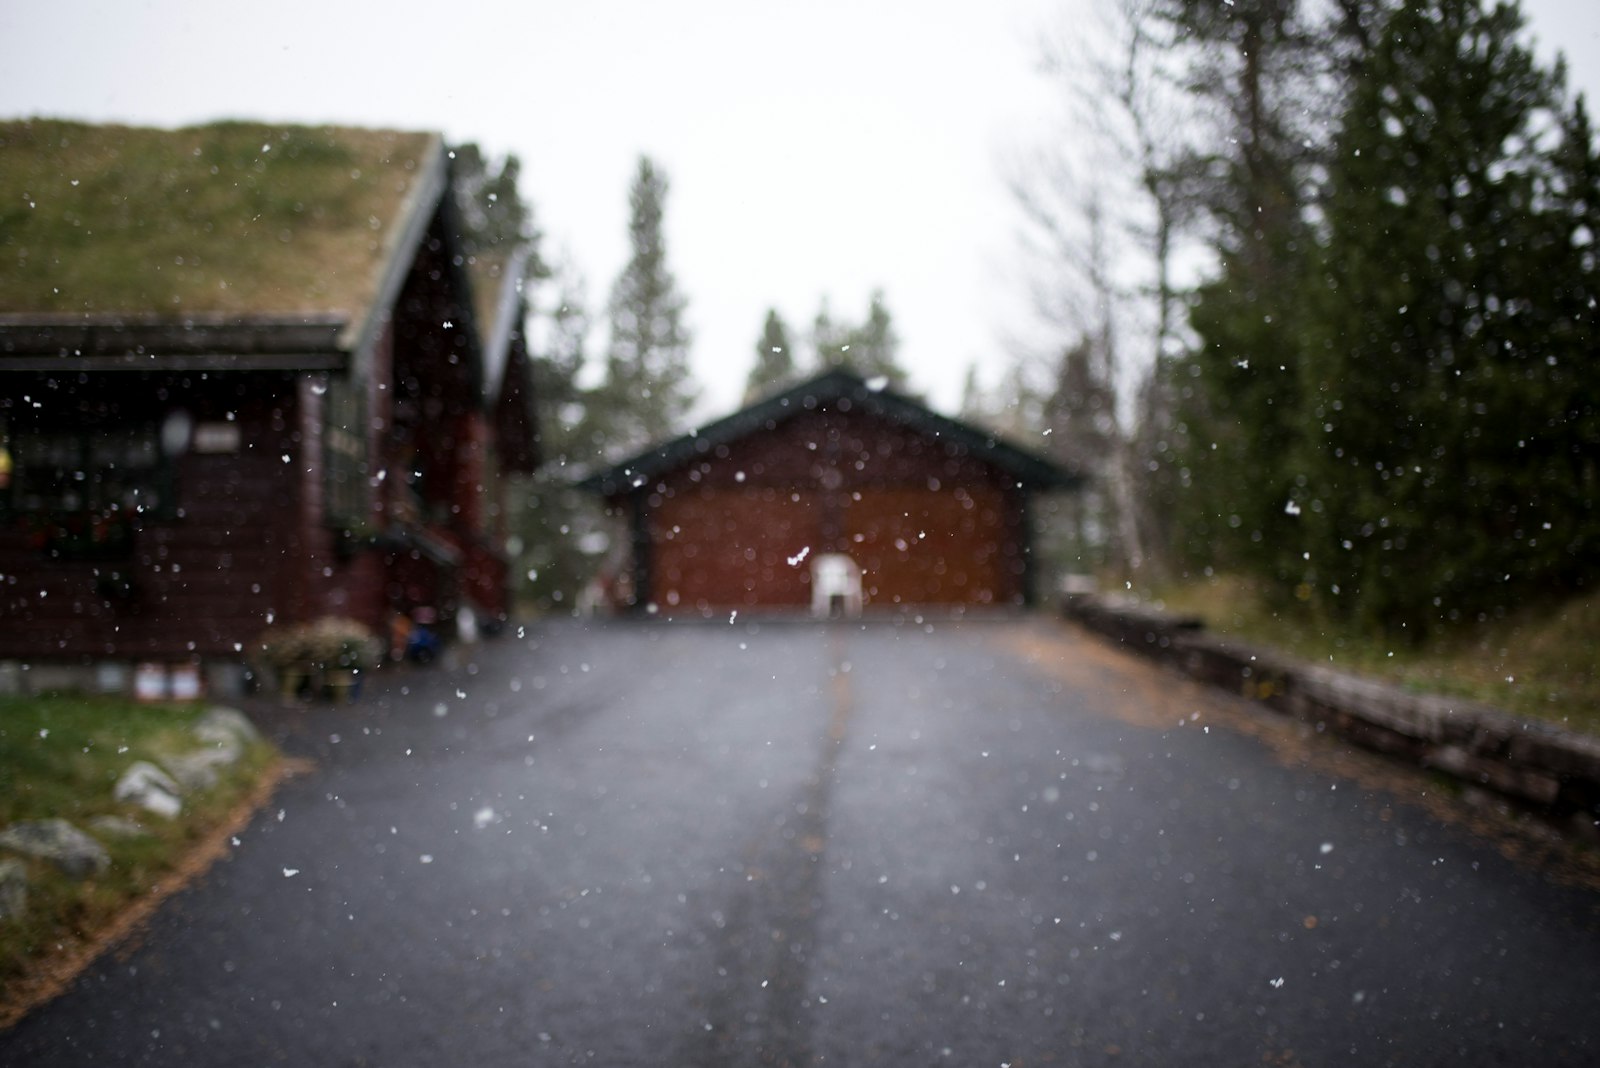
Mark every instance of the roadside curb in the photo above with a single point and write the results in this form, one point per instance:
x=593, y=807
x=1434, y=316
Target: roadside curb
x=1540, y=765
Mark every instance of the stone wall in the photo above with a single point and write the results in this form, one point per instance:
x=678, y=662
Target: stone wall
x=1537, y=764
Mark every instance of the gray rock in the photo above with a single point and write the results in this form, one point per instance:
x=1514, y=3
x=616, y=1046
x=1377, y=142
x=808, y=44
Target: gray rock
x=223, y=734
x=196, y=770
x=13, y=889
x=116, y=827
x=60, y=843
x=230, y=720
x=150, y=788
x=220, y=741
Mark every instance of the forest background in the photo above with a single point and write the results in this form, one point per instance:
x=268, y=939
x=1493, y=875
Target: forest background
x=1319, y=279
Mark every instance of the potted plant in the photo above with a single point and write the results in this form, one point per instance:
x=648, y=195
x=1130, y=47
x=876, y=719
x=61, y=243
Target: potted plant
x=342, y=650
x=282, y=650
x=326, y=655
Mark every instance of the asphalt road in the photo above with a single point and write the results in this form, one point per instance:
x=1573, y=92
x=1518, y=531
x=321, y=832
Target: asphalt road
x=932, y=843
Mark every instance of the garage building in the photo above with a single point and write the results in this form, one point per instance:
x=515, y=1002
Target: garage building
x=831, y=496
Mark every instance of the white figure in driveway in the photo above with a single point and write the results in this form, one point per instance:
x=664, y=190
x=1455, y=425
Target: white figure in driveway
x=835, y=581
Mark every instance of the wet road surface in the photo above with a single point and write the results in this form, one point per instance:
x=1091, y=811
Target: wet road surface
x=977, y=843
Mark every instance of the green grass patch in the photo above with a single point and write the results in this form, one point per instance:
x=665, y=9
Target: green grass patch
x=1539, y=661
x=60, y=756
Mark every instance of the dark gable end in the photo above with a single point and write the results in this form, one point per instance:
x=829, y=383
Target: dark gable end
x=508, y=372
x=834, y=389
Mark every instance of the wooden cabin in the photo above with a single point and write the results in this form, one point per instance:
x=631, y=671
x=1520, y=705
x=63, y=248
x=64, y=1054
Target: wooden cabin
x=247, y=376
x=828, y=479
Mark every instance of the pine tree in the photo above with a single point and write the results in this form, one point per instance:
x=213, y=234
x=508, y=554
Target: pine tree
x=1568, y=441
x=1239, y=388
x=875, y=347
x=774, y=365
x=647, y=389
x=1080, y=416
x=1435, y=446
x=554, y=522
x=830, y=341
x=870, y=349
x=974, y=402
x=564, y=430
x=491, y=214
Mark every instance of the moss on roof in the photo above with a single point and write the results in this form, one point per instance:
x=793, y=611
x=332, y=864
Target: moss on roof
x=232, y=217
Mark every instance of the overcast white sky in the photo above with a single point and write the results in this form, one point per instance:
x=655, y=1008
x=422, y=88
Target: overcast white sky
x=815, y=149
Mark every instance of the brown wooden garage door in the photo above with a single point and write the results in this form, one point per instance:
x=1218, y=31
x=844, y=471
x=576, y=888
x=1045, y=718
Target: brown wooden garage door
x=716, y=548
x=919, y=547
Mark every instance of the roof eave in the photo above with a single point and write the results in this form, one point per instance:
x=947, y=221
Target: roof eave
x=219, y=341
x=506, y=322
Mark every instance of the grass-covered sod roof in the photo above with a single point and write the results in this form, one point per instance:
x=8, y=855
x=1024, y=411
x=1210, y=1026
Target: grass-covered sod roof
x=232, y=218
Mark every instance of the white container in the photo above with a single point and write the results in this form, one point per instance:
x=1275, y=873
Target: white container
x=150, y=682
x=183, y=682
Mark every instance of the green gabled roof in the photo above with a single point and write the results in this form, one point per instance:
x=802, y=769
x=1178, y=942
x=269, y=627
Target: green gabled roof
x=231, y=219
x=824, y=392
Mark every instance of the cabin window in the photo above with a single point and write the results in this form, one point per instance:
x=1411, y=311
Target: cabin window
x=349, y=497
x=79, y=491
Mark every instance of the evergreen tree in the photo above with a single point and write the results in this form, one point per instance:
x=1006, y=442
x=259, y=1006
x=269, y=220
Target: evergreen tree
x=647, y=389
x=1081, y=412
x=870, y=349
x=554, y=523
x=875, y=347
x=1080, y=416
x=974, y=403
x=1568, y=442
x=564, y=429
x=1240, y=412
x=1020, y=409
x=775, y=365
x=1254, y=62
x=830, y=341
x=491, y=213
x=1439, y=471
x=1155, y=449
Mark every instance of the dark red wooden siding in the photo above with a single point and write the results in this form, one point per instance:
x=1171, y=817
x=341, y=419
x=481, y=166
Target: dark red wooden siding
x=198, y=582
x=927, y=523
